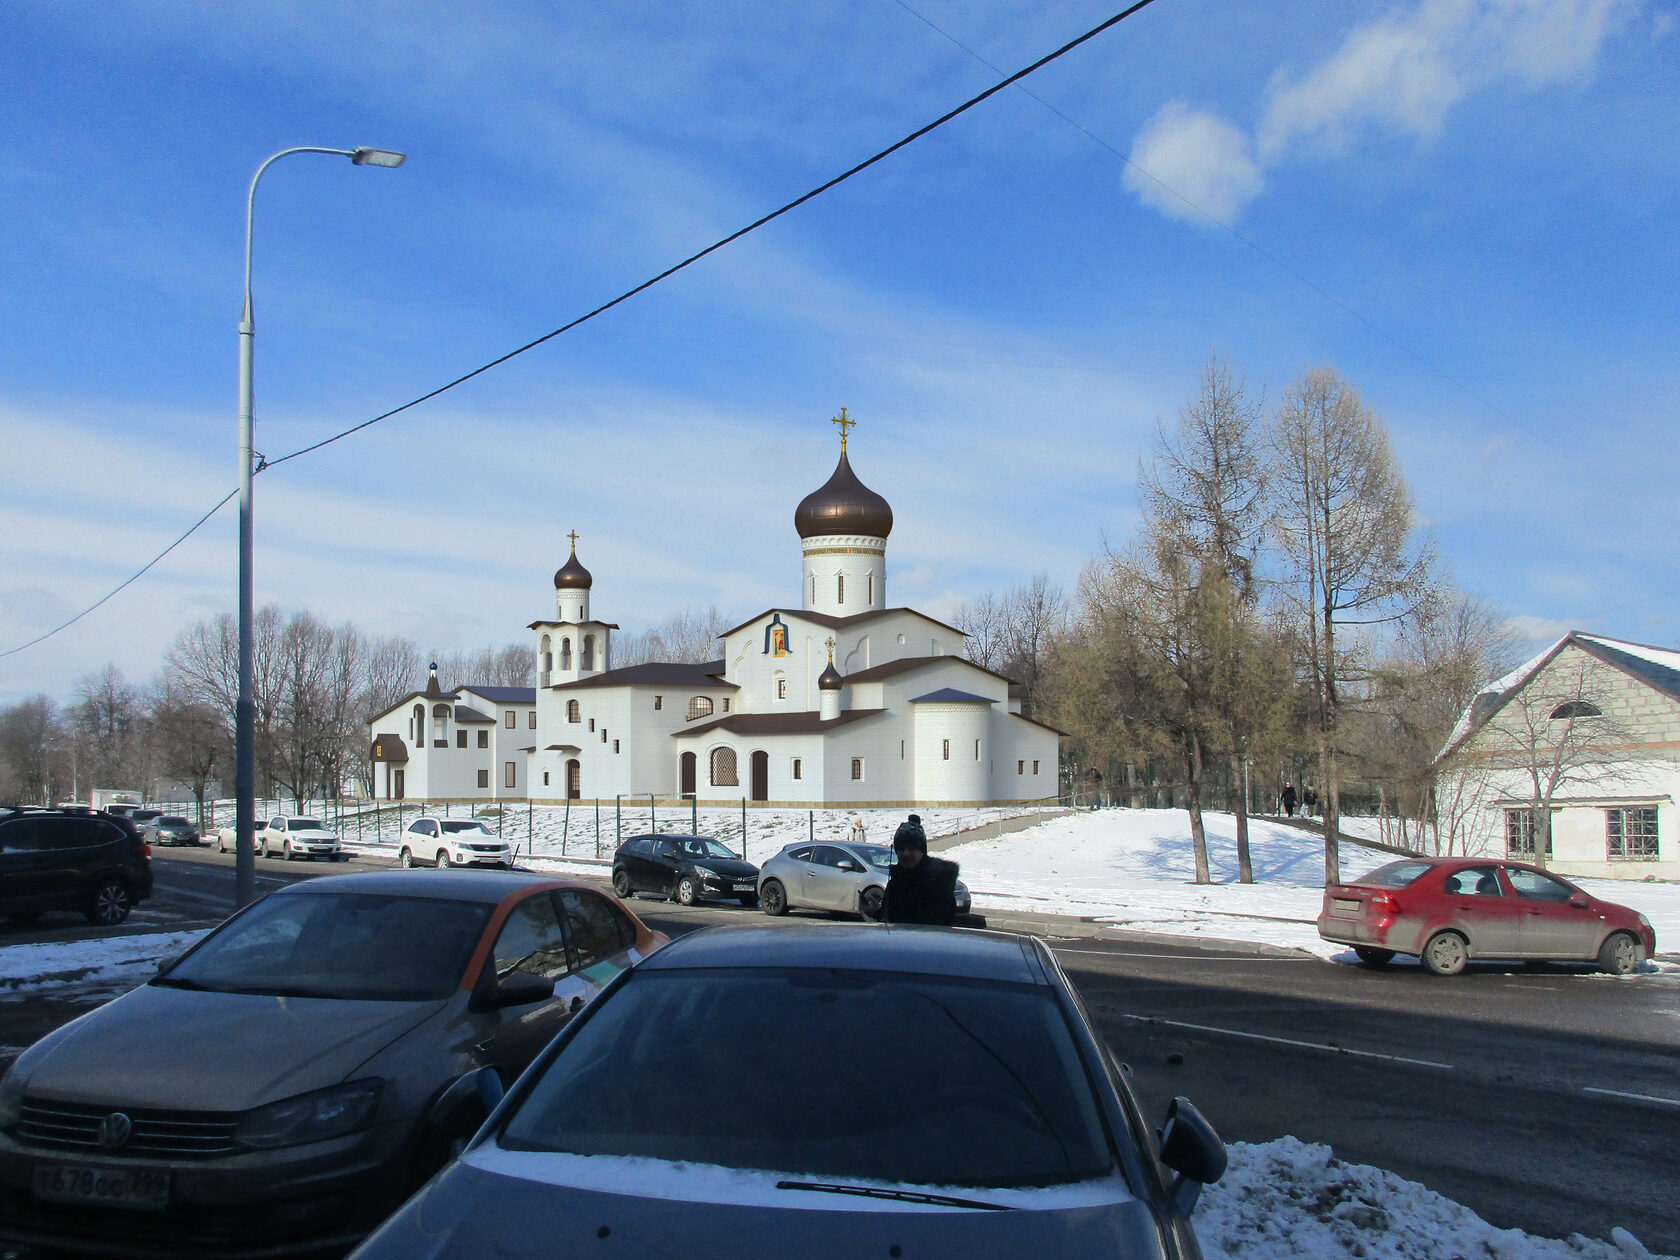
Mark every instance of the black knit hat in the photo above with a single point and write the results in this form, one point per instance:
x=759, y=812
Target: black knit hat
x=917, y=819
x=910, y=836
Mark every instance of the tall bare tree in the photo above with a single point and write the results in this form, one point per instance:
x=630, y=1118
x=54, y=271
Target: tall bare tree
x=689, y=637
x=1350, y=542
x=192, y=742
x=29, y=731
x=106, y=725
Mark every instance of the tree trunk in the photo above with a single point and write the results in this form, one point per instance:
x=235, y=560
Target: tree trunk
x=1245, y=868
x=1193, y=802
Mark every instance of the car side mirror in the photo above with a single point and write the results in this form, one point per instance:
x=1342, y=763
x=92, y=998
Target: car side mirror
x=520, y=988
x=461, y=1110
x=1191, y=1148
x=1579, y=900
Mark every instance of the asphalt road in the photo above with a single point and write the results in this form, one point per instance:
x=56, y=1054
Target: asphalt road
x=1543, y=1098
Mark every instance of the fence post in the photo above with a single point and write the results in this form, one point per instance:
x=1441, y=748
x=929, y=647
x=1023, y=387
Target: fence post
x=743, y=829
x=813, y=821
x=694, y=813
x=565, y=826
x=653, y=815
x=618, y=823
x=597, y=826
x=530, y=827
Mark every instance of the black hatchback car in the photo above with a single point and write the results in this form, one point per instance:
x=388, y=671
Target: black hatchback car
x=71, y=859
x=684, y=868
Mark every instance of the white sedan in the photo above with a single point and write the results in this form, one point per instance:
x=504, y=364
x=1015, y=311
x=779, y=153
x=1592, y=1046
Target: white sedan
x=290, y=836
x=444, y=842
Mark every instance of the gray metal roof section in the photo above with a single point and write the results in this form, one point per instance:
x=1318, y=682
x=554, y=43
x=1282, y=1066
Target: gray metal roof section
x=657, y=674
x=899, y=948
x=950, y=695
x=472, y=717
x=505, y=695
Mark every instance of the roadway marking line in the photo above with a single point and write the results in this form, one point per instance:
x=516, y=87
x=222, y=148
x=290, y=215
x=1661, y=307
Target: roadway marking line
x=1286, y=1041
x=1113, y=953
x=1618, y=1093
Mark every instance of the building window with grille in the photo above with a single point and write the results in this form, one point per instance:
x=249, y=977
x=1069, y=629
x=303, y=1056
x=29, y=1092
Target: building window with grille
x=484, y=739
x=603, y=734
x=699, y=707
x=591, y=726
x=945, y=750
x=857, y=767
x=1020, y=767
x=798, y=768
x=726, y=704
x=483, y=778
x=615, y=745
x=839, y=588
x=1519, y=834
x=781, y=687
x=723, y=768
x=1631, y=833
x=658, y=703
x=511, y=717
x=510, y=774
x=1035, y=767
x=572, y=714
x=460, y=738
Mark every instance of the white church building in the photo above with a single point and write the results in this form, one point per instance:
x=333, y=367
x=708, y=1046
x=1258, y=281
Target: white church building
x=840, y=701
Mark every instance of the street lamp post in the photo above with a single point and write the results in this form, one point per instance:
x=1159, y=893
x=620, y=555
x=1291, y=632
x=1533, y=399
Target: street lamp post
x=244, y=722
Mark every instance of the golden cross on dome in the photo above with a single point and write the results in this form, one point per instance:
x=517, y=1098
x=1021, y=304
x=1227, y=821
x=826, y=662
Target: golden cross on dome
x=574, y=537
x=829, y=644
x=844, y=425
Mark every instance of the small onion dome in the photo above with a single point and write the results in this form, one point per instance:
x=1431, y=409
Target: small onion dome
x=844, y=505
x=572, y=576
x=830, y=679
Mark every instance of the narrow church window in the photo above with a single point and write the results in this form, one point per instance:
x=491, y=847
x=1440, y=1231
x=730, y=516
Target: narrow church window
x=566, y=653
x=460, y=739
x=483, y=778
x=723, y=768
x=726, y=704
x=615, y=745
x=699, y=707
x=781, y=687
x=440, y=725
x=591, y=726
x=484, y=739
x=510, y=719
x=545, y=778
x=572, y=711
x=604, y=739
x=901, y=750
x=1035, y=767
x=977, y=750
x=798, y=768
x=839, y=588
x=1020, y=767
x=510, y=774
x=945, y=753
x=658, y=702
x=588, y=651
x=857, y=767
x=531, y=719
x=869, y=594
x=813, y=588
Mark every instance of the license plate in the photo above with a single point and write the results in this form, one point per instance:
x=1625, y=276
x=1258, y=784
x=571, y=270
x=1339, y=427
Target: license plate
x=746, y=885
x=1346, y=905
x=88, y=1183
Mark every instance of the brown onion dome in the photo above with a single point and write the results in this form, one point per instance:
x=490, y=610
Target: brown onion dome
x=829, y=679
x=572, y=576
x=844, y=505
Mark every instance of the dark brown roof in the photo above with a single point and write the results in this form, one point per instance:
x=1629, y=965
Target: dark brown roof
x=905, y=664
x=835, y=623
x=844, y=505
x=776, y=723
x=610, y=625
x=472, y=717
x=572, y=575
x=558, y=748
x=417, y=695
x=657, y=673
x=389, y=748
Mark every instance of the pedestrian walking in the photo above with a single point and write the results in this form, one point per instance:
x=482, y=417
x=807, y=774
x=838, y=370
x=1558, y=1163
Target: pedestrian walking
x=1309, y=801
x=1289, y=799
x=856, y=836
x=921, y=889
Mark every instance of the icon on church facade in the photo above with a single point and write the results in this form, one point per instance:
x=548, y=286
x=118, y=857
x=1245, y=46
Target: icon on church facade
x=776, y=637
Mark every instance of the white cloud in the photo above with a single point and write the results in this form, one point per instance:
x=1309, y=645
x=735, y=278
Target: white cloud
x=1188, y=163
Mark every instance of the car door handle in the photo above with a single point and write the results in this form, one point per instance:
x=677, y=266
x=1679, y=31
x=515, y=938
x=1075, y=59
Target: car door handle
x=577, y=1005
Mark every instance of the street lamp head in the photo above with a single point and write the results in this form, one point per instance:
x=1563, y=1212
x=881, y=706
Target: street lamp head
x=377, y=157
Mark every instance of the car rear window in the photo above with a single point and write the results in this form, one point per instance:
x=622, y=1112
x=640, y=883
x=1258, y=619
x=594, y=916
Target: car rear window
x=786, y=1071
x=307, y=824
x=1394, y=875
x=173, y=820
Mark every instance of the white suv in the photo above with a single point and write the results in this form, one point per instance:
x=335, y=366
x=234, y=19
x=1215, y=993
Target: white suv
x=290, y=836
x=444, y=842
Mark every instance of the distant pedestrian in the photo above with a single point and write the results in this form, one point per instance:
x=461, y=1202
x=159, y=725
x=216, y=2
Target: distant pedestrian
x=921, y=889
x=856, y=836
x=1309, y=800
x=1288, y=799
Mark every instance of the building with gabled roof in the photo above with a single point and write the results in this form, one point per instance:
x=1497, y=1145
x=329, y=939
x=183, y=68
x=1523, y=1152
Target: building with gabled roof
x=1592, y=726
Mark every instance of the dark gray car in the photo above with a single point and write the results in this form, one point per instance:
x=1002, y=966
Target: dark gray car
x=839, y=1091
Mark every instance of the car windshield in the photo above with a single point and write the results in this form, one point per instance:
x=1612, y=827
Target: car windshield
x=875, y=855
x=354, y=946
x=983, y=1085
x=307, y=824
x=173, y=820
x=1394, y=875
x=474, y=828
x=701, y=847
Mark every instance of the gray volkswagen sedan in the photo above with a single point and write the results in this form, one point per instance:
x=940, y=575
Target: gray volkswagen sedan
x=267, y=1092
x=840, y=1091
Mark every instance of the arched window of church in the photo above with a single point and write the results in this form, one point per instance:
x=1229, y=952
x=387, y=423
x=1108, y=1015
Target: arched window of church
x=813, y=588
x=839, y=588
x=588, y=661
x=566, y=652
x=901, y=638
x=781, y=686
x=417, y=724
x=572, y=714
x=723, y=768
x=869, y=593
x=440, y=723
x=547, y=660
x=1576, y=709
x=699, y=707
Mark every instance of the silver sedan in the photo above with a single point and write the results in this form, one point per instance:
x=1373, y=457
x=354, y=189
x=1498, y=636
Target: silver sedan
x=851, y=878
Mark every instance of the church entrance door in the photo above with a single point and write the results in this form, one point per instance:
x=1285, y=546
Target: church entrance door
x=686, y=773
x=761, y=776
x=574, y=780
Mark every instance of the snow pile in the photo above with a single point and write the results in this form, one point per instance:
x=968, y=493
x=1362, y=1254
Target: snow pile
x=1293, y=1199
x=113, y=964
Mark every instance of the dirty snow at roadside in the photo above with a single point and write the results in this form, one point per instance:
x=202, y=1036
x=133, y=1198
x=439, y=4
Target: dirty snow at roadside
x=113, y=964
x=1134, y=869
x=1293, y=1200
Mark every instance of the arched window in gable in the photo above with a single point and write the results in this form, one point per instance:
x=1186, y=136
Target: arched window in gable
x=723, y=768
x=1576, y=709
x=699, y=707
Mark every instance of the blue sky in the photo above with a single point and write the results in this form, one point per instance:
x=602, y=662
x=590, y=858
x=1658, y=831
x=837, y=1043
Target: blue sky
x=1467, y=208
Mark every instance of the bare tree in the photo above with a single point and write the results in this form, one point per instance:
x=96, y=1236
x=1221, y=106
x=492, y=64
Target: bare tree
x=106, y=725
x=689, y=637
x=984, y=626
x=192, y=740
x=28, y=732
x=513, y=665
x=1344, y=517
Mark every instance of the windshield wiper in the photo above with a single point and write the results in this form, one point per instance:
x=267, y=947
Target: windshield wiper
x=899, y=1196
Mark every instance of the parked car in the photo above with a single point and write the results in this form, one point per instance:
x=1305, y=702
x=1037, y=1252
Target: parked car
x=170, y=829
x=267, y=1092
x=71, y=859
x=291, y=836
x=1449, y=911
x=227, y=838
x=453, y=842
x=1011, y=1100
x=684, y=868
x=833, y=875
x=140, y=817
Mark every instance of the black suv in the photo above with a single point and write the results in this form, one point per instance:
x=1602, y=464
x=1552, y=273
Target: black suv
x=71, y=859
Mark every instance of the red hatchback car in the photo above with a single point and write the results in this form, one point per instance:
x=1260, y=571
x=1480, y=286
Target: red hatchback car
x=1447, y=911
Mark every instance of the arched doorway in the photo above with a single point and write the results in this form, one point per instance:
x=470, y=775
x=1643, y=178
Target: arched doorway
x=686, y=773
x=574, y=780
x=761, y=776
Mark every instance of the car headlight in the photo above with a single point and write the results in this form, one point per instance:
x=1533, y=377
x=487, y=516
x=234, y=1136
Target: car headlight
x=326, y=1113
x=11, y=1098
x=705, y=872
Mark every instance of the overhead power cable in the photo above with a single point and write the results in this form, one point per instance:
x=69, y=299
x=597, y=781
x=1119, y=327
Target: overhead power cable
x=818, y=191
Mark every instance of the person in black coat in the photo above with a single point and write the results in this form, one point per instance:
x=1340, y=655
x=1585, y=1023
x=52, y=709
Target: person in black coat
x=1289, y=799
x=921, y=889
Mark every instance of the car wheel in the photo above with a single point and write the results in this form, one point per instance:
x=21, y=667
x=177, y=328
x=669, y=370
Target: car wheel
x=622, y=885
x=111, y=904
x=1373, y=957
x=286, y=850
x=1445, y=954
x=772, y=897
x=221, y=844
x=405, y=859
x=870, y=903
x=688, y=890
x=443, y=859
x=1619, y=955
